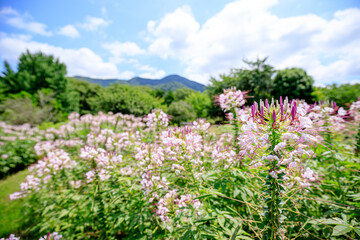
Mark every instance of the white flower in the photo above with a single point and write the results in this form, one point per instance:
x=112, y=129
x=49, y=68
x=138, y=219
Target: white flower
x=273, y=174
x=305, y=122
x=280, y=146
x=342, y=111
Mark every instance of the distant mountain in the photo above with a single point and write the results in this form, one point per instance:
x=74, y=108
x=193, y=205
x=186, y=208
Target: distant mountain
x=102, y=82
x=171, y=82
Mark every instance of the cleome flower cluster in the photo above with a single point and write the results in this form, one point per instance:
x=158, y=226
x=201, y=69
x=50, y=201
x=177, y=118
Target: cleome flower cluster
x=118, y=162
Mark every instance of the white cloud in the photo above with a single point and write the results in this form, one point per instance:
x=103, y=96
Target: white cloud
x=93, y=23
x=81, y=61
x=123, y=49
x=153, y=75
x=171, y=32
x=8, y=11
x=356, y=81
x=69, y=31
x=120, y=50
x=148, y=71
x=246, y=29
x=15, y=19
x=126, y=75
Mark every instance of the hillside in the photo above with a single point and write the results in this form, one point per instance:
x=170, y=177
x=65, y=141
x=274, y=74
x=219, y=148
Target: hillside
x=102, y=82
x=171, y=82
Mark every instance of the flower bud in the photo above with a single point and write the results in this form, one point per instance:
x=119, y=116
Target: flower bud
x=274, y=115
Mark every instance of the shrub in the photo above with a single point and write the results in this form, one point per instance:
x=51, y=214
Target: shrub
x=15, y=156
x=181, y=111
x=125, y=99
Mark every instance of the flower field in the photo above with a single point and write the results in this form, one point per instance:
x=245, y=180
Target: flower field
x=287, y=170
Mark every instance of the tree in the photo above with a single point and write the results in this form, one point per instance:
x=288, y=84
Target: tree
x=200, y=102
x=125, y=99
x=294, y=83
x=35, y=71
x=169, y=98
x=181, y=111
x=182, y=93
x=257, y=80
x=86, y=91
x=23, y=107
x=343, y=94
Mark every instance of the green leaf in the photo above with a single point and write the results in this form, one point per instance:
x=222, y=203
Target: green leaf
x=221, y=220
x=341, y=229
x=203, y=196
x=236, y=192
x=355, y=196
x=357, y=230
x=327, y=221
x=186, y=235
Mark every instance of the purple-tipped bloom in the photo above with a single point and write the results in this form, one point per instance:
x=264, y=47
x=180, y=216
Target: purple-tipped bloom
x=274, y=115
x=281, y=100
x=281, y=108
x=334, y=104
x=266, y=103
x=262, y=112
x=293, y=112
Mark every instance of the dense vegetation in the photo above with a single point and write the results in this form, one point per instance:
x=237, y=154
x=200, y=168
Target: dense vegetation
x=290, y=171
x=105, y=165
x=39, y=92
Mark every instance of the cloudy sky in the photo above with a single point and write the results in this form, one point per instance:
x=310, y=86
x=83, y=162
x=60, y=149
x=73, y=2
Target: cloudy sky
x=196, y=39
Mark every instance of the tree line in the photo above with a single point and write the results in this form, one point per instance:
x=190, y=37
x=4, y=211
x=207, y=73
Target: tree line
x=39, y=91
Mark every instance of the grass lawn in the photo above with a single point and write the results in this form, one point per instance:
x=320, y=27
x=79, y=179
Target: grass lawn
x=11, y=211
x=220, y=129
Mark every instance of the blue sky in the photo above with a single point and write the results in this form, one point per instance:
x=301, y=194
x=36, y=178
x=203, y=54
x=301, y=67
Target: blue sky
x=196, y=39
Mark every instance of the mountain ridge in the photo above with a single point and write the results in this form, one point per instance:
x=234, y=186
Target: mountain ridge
x=167, y=83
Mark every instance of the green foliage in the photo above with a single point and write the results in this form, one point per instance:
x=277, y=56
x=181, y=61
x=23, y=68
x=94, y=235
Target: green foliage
x=159, y=93
x=293, y=82
x=236, y=203
x=257, y=80
x=125, y=99
x=35, y=71
x=182, y=93
x=181, y=111
x=343, y=94
x=16, y=155
x=169, y=98
x=23, y=107
x=42, y=77
x=201, y=103
x=85, y=91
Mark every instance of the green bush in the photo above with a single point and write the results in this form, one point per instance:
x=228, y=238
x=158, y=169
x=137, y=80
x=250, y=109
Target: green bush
x=200, y=102
x=86, y=91
x=181, y=111
x=343, y=94
x=26, y=108
x=293, y=82
x=15, y=156
x=125, y=99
